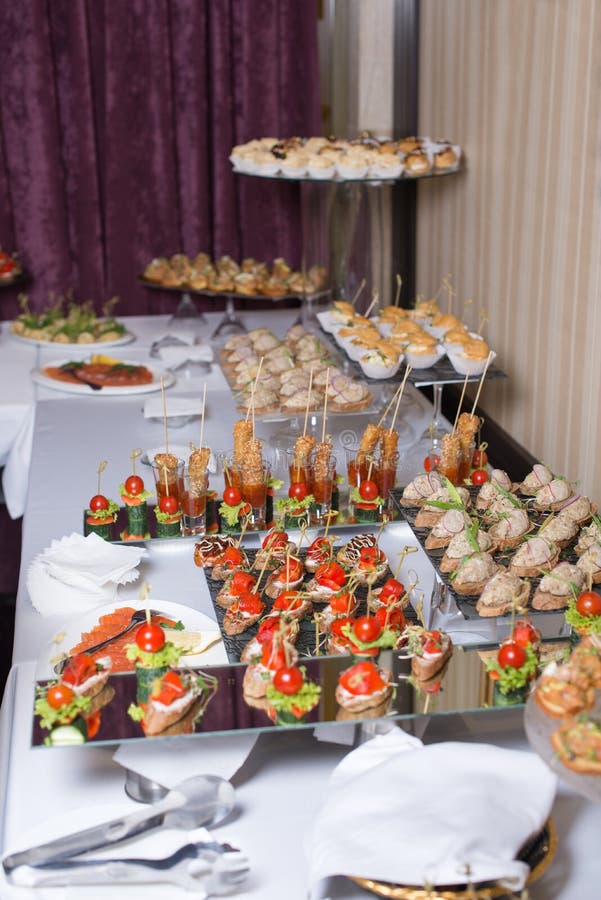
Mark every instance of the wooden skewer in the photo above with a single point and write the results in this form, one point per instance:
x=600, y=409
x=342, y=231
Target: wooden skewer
x=308, y=402
x=242, y=531
x=398, y=402
x=164, y=413
x=202, y=417
x=399, y=282
x=488, y=362
x=133, y=456
x=359, y=290
x=407, y=549
x=375, y=300
x=325, y=407
x=144, y=593
x=303, y=534
x=101, y=467
x=389, y=407
x=461, y=401
x=262, y=572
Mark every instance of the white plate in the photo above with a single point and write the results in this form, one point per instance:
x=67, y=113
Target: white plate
x=192, y=619
x=40, y=378
x=126, y=338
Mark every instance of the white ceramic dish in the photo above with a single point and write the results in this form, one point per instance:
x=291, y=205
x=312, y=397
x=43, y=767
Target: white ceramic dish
x=126, y=338
x=469, y=366
x=192, y=619
x=423, y=360
x=39, y=377
x=377, y=370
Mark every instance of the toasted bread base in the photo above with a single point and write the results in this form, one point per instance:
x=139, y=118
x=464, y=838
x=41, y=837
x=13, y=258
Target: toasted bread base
x=580, y=764
x=486, y=610
x=547, y=600
x=533, y=571
x=471, y=589
x=425, y=670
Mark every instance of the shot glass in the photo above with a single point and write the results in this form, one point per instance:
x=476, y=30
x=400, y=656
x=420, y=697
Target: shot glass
x=167, y=479
x=254, y=483
x=323, y=486
x=300, y=470
x=193, y=502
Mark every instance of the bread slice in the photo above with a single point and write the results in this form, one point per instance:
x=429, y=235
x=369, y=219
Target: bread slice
x=577, y=744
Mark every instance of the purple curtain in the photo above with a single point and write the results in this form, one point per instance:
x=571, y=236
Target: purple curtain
x=116, y=122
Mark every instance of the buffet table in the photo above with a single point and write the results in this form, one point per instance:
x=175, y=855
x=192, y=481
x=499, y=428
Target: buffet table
x=280, y=786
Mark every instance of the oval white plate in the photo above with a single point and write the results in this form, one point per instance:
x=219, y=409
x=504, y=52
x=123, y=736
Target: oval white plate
x=40, y=378
x=192, y=619
x=126, y=338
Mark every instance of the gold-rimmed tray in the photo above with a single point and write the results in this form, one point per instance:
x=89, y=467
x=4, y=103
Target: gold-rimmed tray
x=538, y=853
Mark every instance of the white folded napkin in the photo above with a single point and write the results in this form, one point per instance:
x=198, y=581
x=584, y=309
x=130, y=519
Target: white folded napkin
x=77, y=573
x=221, y=755
x=176, y=406
x=423, y=814
x=177, y=356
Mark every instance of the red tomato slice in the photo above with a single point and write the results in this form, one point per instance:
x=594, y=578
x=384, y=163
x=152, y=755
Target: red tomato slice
x=361, y=679
x=79, y=669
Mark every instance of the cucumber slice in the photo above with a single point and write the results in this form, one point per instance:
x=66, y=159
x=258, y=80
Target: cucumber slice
x=67, y=735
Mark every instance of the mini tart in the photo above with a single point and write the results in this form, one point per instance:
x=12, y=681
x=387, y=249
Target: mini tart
x=452, y=523
x=428, y=515
x=578, y=509
x=552, y=496
x=421, y=489
x=559, y=530
x=564, y=690
x=359, y=703
x=577, y=743
x=460, y=546
x=535, y=555
x=509, y=530
x=472, y=573
x=591, y=534
x=590, y=562
x=500, y=593
x=535, y=480
x=557, y=588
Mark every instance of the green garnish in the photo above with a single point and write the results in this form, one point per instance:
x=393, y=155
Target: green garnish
x=582, y=624
x=50, y=717
x=168, y=655
x=304, y=701
x=512, y=679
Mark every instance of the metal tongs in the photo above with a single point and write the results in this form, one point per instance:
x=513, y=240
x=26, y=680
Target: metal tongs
x=206, y=866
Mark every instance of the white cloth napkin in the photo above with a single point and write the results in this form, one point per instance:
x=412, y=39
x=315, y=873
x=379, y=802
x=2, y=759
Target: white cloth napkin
x=77, y=573
x=176, y=406
x=221, y=755
x=406, y=814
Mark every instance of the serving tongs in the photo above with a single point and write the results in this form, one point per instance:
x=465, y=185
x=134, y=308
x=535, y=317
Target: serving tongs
x=201, y=800
x=206, y=867
x=137, y=619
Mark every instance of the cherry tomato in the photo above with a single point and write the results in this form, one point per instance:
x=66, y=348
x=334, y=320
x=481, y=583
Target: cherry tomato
x=362, y=678
x=232, y=496
x=511, y=655
x=431, y=462
x=480, y=476
x=7, y=267
x=98, y=502
x=169, y=504
x=288, y=680
x=337, y=626
x=367, y=629
x=368, y=490
x=298, y=490
x=150, y=638
x=524, y=633
x=79, y=669
x=479, y=459
x=59, y=695
x=589, y=604
x=134, y=485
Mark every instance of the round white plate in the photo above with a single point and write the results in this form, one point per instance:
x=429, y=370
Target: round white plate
x=192, y=619
x=40, y=378
x=126, y=338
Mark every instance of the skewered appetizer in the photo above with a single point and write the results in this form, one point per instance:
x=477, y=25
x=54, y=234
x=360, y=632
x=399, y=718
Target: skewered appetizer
x=558, y=586
x=577, y=743
x=366, y=637
x=232, y=559
x=100, y=515
x=236, y=584
x=258, y=675
x=584, y=613
x=210, y=548
x=344, y=604
x=153, y=654
x=364, y=687
x=371, y=566
x=430, y=651
x=328, y=580
x=502, y=593
x=512, y=670
x=243, y=613
x=274, y=548
x=134, y=497
x=168, y=516
x=319, y=551
x=291, y=696
x=287, y=577
x=291, y=605
x=63, y=714
x=350, y=553
x=284, y=626
x=175, y=702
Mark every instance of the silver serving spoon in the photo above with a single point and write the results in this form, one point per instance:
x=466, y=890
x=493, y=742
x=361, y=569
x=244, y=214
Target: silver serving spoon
x=201, y=800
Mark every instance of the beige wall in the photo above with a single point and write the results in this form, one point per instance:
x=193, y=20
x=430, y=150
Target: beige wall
x=518, y=84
